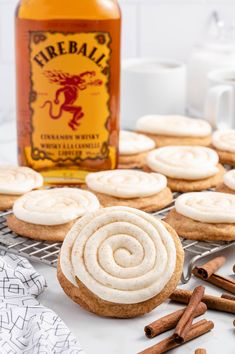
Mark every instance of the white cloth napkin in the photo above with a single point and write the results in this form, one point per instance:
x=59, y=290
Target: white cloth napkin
x=26, y=327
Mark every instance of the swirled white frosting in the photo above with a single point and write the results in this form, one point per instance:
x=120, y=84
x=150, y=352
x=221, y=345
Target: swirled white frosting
x=55, y=206
x=229, y=179
x=209, y=207
x=224, y=140
x=18, y=180
x=126, y=183
x=131, y=143
x=120, y=254
x=184, y=162
x=173, y=126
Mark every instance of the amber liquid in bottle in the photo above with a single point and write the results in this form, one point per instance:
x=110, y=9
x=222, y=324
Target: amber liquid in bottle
x=68, y=81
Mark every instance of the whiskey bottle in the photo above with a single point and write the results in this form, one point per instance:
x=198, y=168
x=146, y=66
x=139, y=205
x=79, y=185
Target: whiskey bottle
x=68, y=78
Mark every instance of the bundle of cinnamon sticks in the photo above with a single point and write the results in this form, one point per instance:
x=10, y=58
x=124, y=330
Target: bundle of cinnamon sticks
x=197, y=303
x=170, y=321
x=182, y=321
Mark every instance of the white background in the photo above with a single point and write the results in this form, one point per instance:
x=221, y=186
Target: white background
x=165, y=28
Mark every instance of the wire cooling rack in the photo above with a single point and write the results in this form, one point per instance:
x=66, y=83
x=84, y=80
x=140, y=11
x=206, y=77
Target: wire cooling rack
x=46, y=252
x=39, y=251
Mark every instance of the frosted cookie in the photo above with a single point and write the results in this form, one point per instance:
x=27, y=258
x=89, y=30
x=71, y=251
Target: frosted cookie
x=49, y=214
x=204, y=216
x=224, y=143
x=120, y=262
x=133, y=149
x=228, y=186
x=175, y=130
x=136, y=189
x=15, y=181
x=187, y=168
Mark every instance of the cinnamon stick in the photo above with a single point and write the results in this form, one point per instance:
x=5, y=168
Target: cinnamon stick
x=228, y=297
x=212, y=302
x=197, y=330
x=234, y=268
x=200, y=351
x=217, y=280
x=207, y=269
x=185, y=322
x=170, y=321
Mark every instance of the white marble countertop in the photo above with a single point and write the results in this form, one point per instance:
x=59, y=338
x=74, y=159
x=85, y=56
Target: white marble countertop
x=111, y=336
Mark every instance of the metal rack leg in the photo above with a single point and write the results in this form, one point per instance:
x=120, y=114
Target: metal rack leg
x=186, y=276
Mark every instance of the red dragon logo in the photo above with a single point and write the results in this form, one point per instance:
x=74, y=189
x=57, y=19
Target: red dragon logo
x=70, y=87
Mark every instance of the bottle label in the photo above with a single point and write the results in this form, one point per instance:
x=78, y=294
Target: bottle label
x=69, y=95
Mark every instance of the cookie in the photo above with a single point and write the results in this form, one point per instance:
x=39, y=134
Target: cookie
x=49, y=214
x=131, y=188
x=224, y=189
x=225, y=157
x=184, y=186
x=165, y=140
x=133, y=149
x=52, y=233
x=228, y=186
x=132, y=265
x=132, y=161
x=14, y=182
x=201, y=231
x=204, y=216
x=7, y=201
x=148, y=204
x=175, y=130
x=187, y=168
x=223, y=142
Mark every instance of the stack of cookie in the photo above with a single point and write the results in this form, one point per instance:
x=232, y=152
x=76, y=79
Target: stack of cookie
x=117, y=260
x=182, y=153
